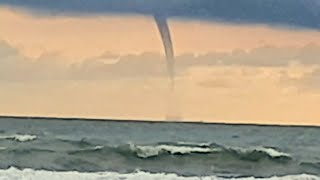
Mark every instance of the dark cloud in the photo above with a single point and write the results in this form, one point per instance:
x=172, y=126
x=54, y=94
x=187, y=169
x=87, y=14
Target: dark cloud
x=298, y=13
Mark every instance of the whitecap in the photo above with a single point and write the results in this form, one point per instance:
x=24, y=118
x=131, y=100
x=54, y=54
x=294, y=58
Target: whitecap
x=19, y=137
x=267, y=150
x=272, y=152
x=203, y=144
x=98, y=147
x=155, y=150
x=146, y=151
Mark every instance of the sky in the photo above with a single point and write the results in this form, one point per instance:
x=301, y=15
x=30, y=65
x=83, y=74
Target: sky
x=111, y=65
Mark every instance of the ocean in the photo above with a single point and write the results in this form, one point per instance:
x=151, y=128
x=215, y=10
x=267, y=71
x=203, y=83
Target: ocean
x=53, y=148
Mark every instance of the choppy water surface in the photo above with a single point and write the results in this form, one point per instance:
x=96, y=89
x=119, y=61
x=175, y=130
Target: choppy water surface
x=33, y=148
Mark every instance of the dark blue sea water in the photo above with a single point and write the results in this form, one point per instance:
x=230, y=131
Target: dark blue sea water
x=86, y=149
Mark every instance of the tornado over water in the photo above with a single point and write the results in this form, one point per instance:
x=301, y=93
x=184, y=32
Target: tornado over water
x=163, y=27
x=173, y=105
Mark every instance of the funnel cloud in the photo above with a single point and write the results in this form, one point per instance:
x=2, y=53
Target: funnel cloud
x=162, y=24
x=163, y=27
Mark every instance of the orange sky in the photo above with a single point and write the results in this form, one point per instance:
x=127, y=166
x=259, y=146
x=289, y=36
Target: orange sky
x=237, y=94
x=77, y=38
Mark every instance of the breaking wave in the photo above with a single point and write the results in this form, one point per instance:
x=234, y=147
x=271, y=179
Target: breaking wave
x=186, y=149
x=155, y=150
x=146, y=151
x=14, y=173
x=19, y=137
x=170, y=157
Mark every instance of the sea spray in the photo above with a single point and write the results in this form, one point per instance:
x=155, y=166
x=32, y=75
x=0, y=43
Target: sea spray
x=173, y=106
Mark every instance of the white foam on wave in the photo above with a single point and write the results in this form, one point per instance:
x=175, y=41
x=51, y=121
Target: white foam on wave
x=203, y=144
x=26, y=174
x=154, y=150
x=146, y=151
x=272, y=152
x=98, y=147
x=19, y=137
x=269, y=151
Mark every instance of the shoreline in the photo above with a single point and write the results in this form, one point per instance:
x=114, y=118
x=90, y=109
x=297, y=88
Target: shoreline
x=21, y=117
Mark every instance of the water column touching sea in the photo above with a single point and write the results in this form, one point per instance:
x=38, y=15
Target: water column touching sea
x=173, y=105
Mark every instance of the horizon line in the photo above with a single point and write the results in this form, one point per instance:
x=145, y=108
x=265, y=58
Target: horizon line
x=151, y=121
